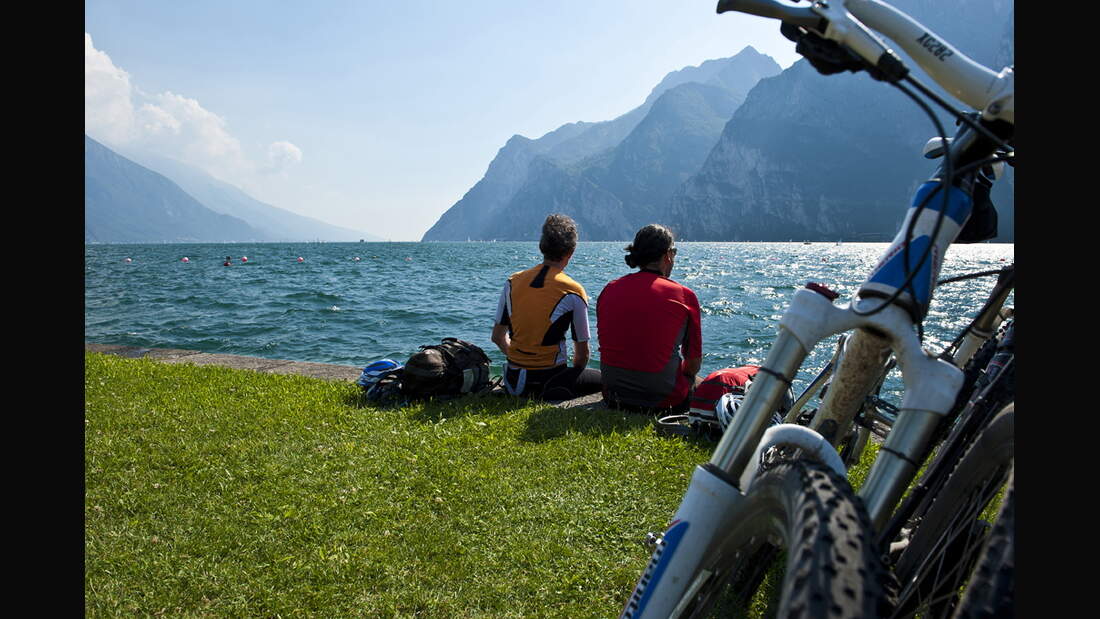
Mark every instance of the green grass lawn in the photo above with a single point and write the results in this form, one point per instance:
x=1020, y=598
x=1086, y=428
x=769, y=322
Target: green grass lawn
x=211, y=491
x=221, y=492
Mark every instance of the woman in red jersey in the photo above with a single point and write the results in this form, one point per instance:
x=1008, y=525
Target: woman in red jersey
x=651, y=344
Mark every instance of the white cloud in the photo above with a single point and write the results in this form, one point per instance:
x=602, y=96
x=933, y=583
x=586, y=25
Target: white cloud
x=281, y=155
x=155, y=120
x=108, y=108
x=169, y=124
x=181, y=127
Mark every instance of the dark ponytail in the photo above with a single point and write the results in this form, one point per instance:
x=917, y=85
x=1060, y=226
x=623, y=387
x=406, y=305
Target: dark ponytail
x=650, y=243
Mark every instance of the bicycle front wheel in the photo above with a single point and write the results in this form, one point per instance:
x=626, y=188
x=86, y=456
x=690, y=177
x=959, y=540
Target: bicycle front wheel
x=991, y=591
x=937, y=562
x=804, y=518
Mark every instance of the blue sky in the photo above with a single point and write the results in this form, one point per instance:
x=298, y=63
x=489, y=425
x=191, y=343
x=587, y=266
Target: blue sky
x=378, y=116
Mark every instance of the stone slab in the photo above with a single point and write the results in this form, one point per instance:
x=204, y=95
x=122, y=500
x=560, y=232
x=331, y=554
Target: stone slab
x=591, y=402
x=233, y=361
x=324, y=371
x=318, y=370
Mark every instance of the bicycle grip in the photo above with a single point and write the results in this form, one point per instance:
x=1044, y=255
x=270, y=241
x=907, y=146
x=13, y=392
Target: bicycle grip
x=783, y=10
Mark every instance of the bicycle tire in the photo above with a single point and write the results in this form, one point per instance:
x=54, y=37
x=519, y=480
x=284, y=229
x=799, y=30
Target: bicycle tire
x=991, y=592
x=946, y=542
x=832, y=568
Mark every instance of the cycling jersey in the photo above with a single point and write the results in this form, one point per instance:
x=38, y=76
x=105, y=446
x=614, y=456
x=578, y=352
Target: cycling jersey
x=647, y=326
x=539, y=305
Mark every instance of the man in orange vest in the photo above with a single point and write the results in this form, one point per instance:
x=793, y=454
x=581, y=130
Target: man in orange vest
x=536, y=308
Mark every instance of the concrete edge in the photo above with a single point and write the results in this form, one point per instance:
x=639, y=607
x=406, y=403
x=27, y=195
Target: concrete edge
x=325, y=371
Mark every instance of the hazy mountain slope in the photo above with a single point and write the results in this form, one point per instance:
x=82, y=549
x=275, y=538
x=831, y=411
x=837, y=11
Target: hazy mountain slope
x=809, y=156
x=622, y=155
x=127, y=203
x=612, y=194
x=805, y=156
x=665, y=149
x=277, y=224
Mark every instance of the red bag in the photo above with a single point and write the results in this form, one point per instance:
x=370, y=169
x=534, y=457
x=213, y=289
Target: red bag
x=717, y=384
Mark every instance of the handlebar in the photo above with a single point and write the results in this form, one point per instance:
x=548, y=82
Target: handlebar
x=783, y=10
x=969, y=81
x=843, y=21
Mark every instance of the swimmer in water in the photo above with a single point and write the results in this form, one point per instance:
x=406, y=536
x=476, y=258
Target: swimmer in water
x=228, y=261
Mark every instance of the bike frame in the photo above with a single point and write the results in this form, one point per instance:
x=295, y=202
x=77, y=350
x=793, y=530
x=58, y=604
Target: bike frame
x=880, y=315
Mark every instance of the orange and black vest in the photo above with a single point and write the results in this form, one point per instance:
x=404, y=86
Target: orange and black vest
x=539, y=305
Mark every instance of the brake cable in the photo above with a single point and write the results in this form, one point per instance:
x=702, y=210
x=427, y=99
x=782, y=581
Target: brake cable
x=911, y=274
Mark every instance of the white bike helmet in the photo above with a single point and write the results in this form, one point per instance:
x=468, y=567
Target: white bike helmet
x=727, y=406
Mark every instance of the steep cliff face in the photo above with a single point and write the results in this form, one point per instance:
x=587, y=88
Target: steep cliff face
x=734, y=150
x=553, y=188
x=661, y=153
x=651, y=148
x=819, y=157
x=785, y=165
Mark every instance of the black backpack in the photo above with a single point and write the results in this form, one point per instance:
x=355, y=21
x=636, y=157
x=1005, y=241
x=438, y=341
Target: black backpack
x=452, y=368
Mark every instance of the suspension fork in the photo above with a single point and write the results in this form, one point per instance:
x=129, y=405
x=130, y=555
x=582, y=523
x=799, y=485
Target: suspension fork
x=857, y=374
x=931, y=386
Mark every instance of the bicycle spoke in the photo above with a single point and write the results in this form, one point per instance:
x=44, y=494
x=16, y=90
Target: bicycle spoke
x=937, y=582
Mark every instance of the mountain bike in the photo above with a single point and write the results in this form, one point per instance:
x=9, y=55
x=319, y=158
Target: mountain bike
x=877, y=415
x=779, y=494
x=935, y=535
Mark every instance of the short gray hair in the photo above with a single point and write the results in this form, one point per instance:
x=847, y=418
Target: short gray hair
x=559, y=236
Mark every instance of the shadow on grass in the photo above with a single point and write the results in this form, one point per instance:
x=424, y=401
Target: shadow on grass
x=550, y=422
x=546, y=421
x=357, y=399
x=431, y=411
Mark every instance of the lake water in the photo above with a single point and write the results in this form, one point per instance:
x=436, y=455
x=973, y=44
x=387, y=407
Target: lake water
x=330, y=308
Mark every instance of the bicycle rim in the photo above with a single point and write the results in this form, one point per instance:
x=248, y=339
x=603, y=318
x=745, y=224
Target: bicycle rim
x=991, y=592
x=947, y=541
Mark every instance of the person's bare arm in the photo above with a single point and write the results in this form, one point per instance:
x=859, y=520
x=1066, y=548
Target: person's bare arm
x=501, y=338
x=580, y=354
x=691, y=366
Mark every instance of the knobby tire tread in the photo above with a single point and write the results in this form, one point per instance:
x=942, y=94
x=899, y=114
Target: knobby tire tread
x=832, y=567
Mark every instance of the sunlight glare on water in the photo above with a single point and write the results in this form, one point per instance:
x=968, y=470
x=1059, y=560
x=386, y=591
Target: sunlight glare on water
x=330, y=308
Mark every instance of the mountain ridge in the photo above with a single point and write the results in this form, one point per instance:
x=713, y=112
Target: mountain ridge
x=276, y=224
x=800, y=156
x=127, y=203
x=513, y=185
